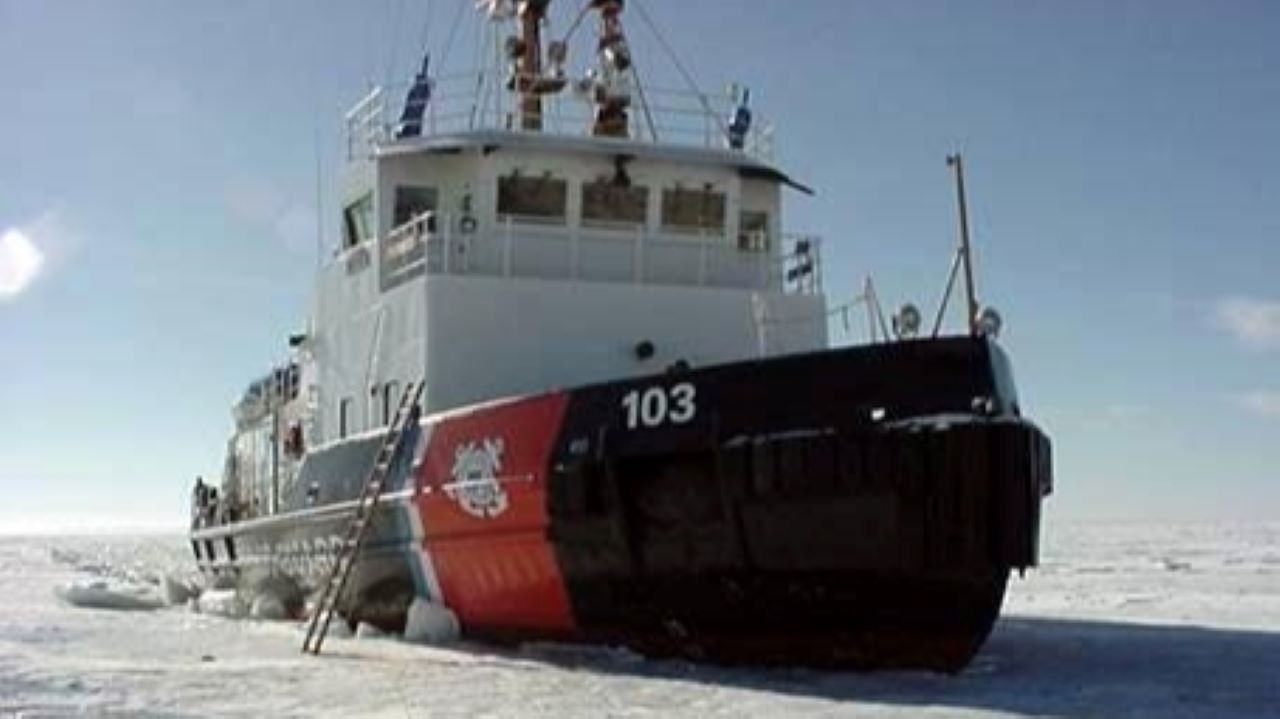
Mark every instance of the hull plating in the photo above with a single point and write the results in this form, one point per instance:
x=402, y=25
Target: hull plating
x=849, y=508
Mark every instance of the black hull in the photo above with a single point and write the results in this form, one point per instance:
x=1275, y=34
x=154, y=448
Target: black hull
x=867, y=549
x=817, y=619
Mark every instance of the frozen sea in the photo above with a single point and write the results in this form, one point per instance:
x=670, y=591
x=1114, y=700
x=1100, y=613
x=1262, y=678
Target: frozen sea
x=1120, y=621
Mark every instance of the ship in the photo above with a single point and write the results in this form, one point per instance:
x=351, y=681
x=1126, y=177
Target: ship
x=567, y=378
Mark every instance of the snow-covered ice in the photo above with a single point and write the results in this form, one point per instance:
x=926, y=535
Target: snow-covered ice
x=1122, y=620
x=104, y=594
x=430, y=623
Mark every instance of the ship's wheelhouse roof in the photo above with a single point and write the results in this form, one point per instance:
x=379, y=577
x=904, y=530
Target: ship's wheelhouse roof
x=488, y=141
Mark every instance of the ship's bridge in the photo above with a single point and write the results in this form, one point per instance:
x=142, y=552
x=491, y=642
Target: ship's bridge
x=470, y=191
x=551, y=259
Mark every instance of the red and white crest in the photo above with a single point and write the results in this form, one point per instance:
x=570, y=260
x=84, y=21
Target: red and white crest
x=476, y=486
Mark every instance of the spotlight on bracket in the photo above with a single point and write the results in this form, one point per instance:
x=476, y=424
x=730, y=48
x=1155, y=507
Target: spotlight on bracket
x=906, y=323
x=989, y=323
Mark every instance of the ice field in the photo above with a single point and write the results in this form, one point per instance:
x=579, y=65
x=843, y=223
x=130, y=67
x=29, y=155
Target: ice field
x=1121, y=620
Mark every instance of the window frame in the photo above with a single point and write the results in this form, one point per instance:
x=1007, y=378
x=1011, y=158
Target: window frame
x=358, y=222
x=605, y=184
x=504, y=195
x=703, y=225
x=748, y=242
x=344, y=417
x=399, y=201
x=390, y=391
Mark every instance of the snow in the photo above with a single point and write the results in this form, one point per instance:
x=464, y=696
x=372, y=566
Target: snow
x=430, y=623
x=1122, y=620
x=102, y=594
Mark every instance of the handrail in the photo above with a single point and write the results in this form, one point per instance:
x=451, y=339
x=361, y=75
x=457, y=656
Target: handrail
x=459, y=103
x=430, y=243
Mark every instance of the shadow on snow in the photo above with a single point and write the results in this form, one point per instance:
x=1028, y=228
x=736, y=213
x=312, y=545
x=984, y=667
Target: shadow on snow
x=1037, y=667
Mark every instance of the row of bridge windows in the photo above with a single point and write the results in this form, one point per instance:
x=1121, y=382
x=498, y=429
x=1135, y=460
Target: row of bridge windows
x=605, y=203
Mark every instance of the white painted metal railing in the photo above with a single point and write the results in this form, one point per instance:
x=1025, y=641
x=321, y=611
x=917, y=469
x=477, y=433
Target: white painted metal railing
x=366, y=123
x=437, y=244
x=467, y=102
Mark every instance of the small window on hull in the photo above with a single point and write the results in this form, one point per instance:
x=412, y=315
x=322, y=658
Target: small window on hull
x=390, y=400
x=344, y=418
x=540, y=198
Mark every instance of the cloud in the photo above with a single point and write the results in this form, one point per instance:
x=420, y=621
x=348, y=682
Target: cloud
x=1255, y=323
x=32, y=250
x=1261, y=402
x=20, y=263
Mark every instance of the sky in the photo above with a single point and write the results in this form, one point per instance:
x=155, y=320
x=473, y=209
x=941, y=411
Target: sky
x=158, y=216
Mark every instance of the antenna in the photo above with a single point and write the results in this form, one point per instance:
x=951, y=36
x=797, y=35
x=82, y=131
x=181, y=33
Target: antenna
x=315, y=135
x=956, y=162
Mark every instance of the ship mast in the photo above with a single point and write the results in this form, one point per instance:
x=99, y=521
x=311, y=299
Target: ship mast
x=612, y=94
x=534, y=75
x=526, y=51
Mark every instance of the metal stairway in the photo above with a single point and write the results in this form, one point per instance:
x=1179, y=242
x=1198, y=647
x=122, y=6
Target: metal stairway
x=406, y=416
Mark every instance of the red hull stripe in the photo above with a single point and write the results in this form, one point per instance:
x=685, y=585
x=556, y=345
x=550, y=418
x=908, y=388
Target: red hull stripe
x=483, y=503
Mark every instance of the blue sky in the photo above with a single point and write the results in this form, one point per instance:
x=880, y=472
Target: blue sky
x=157, y=216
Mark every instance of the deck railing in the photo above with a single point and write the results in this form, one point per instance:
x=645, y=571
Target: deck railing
x=437, y=244
x=467, y=102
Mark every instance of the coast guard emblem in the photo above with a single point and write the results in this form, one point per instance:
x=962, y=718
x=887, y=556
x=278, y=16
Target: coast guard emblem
x=475, y=485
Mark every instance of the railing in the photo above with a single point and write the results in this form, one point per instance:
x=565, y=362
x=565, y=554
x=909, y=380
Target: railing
x=468, y=102
x=435, y=244
x=366, y=123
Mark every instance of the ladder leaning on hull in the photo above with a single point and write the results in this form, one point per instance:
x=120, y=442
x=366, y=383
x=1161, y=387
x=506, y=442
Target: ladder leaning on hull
x=349, y=550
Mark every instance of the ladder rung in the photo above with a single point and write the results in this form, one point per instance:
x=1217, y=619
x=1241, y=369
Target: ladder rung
x=349, y=550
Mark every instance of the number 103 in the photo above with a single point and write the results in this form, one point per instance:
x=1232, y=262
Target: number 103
x=656, y=406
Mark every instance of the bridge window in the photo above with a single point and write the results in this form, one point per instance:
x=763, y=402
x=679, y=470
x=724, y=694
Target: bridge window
x=540, y=198
x=357, y=222
x=698, y=211
x=412, y=201
x=753, y=231
x=607, y=203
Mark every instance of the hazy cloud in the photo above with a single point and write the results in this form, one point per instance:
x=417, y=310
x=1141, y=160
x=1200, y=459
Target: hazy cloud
x=1261, y=402
x=29, y=251
x=20, y=263
x=1253, y=322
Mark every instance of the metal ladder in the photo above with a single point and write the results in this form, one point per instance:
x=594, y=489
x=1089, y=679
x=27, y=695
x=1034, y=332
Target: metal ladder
x=406, y=415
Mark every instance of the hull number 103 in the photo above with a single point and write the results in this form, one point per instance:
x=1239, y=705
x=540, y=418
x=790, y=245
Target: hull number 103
x=655, y=406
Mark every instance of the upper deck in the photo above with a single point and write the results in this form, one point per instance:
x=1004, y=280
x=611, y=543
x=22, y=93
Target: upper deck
x=465, y=104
